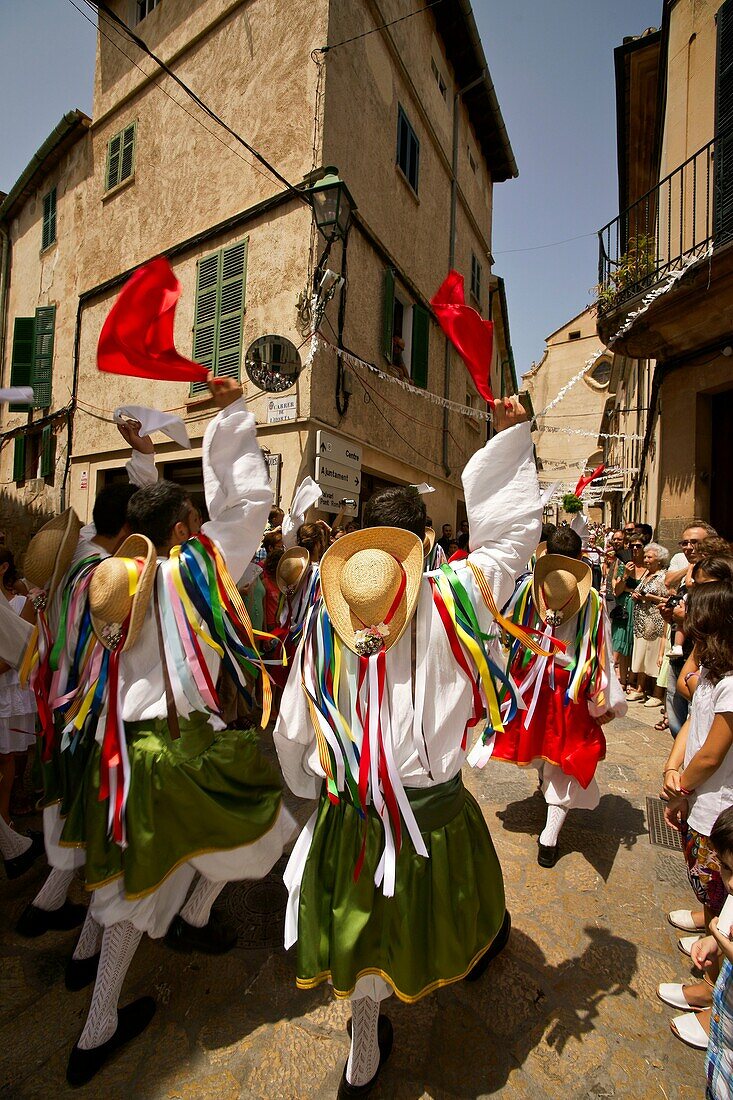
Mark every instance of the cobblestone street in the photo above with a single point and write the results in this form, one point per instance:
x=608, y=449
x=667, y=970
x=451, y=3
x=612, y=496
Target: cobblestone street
x=569, y=1009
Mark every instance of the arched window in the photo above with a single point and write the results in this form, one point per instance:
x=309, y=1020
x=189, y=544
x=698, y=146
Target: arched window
x=599, y=374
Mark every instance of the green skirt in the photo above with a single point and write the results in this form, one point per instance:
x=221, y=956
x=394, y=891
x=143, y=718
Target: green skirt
x=445, y=912
x=205, y=792
x=63, y=774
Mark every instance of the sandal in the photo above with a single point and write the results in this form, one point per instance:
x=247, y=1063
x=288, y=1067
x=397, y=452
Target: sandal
x=662, y=724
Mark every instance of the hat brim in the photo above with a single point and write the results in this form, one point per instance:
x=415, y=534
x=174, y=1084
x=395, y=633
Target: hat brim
x=68, y=525
x=404, y=546
x=549, y=563
x=295, y=553
x=429, y=541
x=134, y=546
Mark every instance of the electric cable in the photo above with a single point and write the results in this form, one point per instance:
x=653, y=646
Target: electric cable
x=382, y=27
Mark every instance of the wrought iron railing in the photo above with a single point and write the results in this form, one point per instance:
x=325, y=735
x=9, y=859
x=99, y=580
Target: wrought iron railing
x=681, y=216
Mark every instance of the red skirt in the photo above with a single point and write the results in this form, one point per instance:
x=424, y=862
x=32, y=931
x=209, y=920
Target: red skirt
x=561, y=733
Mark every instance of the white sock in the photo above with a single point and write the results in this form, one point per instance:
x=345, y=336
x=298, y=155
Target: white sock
x=197, y=909
x=12, y=844
x=90, y=939
x=364, y=1054
x=52, y=894
x=555, y=817
x=119, y=944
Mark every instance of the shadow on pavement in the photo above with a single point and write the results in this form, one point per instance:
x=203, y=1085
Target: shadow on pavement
x=596, y=834
x=466, y=1040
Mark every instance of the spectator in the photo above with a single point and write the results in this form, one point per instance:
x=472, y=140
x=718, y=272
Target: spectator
x=17, y=704
x=445, y=538
x=315, y=538
x=645, y=531
x=649, y=626
x=618, y=542
x=629, y=530
x=272, y=592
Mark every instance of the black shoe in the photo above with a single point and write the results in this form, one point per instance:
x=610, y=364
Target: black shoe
x=81, y=972
x=214, y=938
x=547, y=855
x=131, y=1021
x=18, y=866
x=34, y=921
x=385, y=1038
x=497, y=946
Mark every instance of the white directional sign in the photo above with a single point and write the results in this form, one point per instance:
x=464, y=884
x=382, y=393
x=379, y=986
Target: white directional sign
x=337, y=449
x=342, y=477
x=331, y=501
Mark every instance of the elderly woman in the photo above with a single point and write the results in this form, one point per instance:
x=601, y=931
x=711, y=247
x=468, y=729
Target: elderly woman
x=649, y=626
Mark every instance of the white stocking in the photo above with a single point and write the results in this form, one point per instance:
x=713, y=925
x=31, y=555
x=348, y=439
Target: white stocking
x=197, y=909
x=363, y=1060
x=555, y=817
x=12, y=844
x=90, y=939
x=52, y=894
x=119, y=944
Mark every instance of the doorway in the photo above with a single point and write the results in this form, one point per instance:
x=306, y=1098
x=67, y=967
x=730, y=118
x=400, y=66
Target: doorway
x=721, y=498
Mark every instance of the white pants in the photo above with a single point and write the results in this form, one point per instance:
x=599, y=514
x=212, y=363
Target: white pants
x=61, y=859
x=560, y=789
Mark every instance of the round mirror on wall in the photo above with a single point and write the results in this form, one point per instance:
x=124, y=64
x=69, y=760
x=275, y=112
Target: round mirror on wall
x=273, y=363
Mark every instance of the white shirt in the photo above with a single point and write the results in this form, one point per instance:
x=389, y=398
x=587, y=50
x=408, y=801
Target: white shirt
x=504, y=514
x=239, y=498
x=716, y=793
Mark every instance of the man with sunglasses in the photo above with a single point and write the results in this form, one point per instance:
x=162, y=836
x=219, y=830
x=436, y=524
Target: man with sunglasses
x=692, y=536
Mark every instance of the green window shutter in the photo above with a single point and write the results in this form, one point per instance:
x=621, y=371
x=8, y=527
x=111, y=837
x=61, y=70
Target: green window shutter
x=127, y=158
x=723, y=164
x=43, y=356
x=420, y=345
x=21, y=369
x=206, y=314
x=114, y=149
x=19, y=458
x=48, y=235
x=388, y=313
x=47, y=451
x=231, y=310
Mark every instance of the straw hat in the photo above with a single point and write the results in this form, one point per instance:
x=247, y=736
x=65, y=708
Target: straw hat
x=560, y=587
x=361, y=576
x=110, y=599
x=51, y=550
x=541, y=550
x=291, y=570
x=429, y=541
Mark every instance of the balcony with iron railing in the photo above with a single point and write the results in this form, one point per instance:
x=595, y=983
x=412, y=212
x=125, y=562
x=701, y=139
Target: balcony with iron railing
x=687, y=216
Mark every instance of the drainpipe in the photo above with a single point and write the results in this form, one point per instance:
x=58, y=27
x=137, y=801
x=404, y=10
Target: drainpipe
x=4, y=279
x=452, y=249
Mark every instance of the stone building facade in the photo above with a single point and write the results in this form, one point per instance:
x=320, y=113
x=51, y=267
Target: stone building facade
x=410, y=119
x=666, y=262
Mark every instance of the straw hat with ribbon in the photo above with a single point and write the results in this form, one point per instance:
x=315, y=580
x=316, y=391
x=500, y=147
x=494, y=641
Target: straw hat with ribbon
x=292, y=569
x=560, y=587
x=49, y=555
x=429, y=541
x=119, y=592
x=370, y=581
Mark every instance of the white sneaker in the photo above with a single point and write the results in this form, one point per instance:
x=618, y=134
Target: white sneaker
x=686, y=944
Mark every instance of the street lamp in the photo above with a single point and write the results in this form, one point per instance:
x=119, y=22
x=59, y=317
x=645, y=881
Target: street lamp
x=332, y=205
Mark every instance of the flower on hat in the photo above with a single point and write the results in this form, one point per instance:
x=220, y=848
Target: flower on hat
x=370, y=640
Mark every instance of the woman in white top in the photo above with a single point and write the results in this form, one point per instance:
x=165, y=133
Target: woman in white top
x=17, y=705
x=698, y=776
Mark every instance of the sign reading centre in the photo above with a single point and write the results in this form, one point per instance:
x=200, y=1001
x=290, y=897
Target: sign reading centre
x=338, y=472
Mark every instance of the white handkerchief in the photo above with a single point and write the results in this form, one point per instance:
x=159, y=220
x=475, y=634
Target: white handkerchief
x=548, y=493
x=152, y=420
x=308, y=493
x=17, y=395
x=423, y=488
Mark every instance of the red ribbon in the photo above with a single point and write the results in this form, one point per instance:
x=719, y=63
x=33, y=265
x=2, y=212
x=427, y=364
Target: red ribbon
x=111, y=759
x=585, y=481
x=42, y=691
x=457, y=651
x=470, y=334
x=137, y=337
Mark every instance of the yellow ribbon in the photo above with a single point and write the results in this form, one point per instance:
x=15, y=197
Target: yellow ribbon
x=506, y=624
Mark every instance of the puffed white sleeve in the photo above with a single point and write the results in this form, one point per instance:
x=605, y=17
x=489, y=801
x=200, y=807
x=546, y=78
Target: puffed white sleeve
x=295, y=739
x=504, y=508
x=615, y=699
x=237, y=488
x=15, y=633
x=141, y=469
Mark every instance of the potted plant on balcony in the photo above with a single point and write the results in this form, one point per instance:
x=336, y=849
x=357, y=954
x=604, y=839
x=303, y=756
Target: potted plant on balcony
x=634, y=271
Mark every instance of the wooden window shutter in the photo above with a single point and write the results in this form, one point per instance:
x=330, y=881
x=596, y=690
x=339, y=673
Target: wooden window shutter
x=19, y=458
x=45, y=321
x=48, y=234
x=114, y=149
x=127, y=158
x=723, y=194
x=231, y=310
x=388, y=313
x=48, y=449
x=420, y=345
x=21, y=369
x=206, y=314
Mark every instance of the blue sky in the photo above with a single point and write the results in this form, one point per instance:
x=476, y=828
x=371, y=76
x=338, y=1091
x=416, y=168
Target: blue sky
x=552, y=65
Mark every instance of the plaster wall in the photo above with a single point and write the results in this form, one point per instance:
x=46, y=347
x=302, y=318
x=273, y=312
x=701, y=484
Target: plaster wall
x=690, y=110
